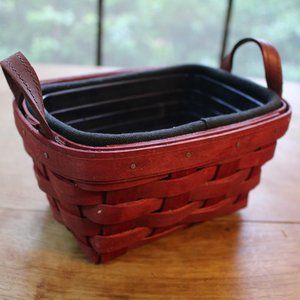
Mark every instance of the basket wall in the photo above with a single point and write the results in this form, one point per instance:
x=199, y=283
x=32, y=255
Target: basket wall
x=111, y=204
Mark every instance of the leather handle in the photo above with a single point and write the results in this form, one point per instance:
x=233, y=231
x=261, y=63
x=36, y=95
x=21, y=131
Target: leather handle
x=24, y=83
x=271, y=59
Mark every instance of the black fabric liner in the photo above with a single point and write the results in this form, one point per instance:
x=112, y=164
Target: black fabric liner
x=152, y=104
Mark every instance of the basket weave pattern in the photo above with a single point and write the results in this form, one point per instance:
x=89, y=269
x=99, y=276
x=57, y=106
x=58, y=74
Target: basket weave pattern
x=106, y=223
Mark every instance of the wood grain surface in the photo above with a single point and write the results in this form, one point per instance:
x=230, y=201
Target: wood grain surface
x=254, y=254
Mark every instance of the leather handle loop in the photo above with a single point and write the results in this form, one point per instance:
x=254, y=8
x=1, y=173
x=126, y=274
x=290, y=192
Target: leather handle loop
x=271, y=59
x=24, y=83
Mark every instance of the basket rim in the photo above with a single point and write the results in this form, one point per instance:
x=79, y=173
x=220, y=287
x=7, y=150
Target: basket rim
x=71, y=146
x=114, y=164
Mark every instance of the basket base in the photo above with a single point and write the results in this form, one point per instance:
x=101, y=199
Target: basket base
x=96, y=258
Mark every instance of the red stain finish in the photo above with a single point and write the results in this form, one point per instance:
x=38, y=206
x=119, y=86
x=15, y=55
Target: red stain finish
x=121, y=196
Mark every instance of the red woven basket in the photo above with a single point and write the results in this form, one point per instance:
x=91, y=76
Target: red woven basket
x=117, y=197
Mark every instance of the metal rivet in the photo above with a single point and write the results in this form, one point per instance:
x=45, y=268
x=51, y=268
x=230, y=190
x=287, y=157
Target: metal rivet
x=133, y=166
x=99, y=211
x=188, y=154
x=238, y=144
x=46, y=155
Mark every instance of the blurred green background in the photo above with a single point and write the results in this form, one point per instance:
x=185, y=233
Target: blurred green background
x=149, y=32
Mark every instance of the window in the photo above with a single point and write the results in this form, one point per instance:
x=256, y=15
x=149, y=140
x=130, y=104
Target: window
x=143, y=32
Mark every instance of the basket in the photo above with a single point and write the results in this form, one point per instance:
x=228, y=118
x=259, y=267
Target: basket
x=124, y=181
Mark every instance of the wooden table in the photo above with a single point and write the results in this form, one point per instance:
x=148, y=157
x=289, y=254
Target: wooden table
x=254, y=254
